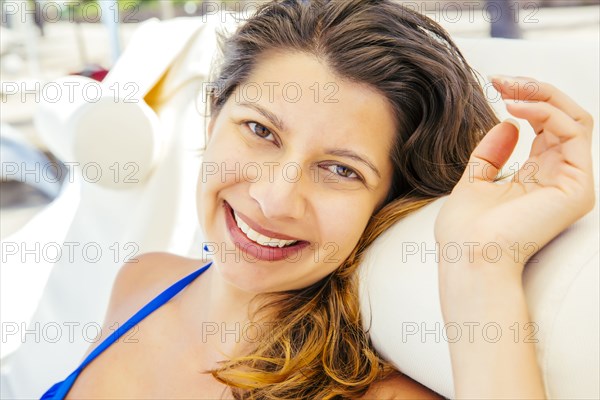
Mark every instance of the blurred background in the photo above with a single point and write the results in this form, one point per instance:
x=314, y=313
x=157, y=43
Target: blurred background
x=42, y=209
x=41, y=40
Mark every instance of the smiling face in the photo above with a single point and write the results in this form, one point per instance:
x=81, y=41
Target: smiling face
x=295, y=153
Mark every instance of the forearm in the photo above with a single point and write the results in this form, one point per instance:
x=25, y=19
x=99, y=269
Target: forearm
x=497, y=358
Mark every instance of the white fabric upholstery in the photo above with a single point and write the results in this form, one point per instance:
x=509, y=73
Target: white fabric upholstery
x=159, y=215
x=561, y=281
x=400, y=304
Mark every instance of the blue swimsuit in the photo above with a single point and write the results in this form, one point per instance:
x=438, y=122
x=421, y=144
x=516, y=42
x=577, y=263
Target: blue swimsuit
x=59, y=390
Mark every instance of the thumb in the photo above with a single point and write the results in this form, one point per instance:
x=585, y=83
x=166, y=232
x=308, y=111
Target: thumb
x=493, y=151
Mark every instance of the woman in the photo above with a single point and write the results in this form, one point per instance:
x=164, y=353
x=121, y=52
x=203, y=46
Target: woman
x=367, y=111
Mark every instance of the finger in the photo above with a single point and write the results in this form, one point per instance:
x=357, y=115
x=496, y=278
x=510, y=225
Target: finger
x=530, y=89
x=551, y=169
x=541, y=143
x=557, y=129
x=492, y=152
x=543, y=117
x=577, y=153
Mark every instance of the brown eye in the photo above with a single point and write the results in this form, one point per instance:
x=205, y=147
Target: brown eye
x=259, y=130
x=343, y=171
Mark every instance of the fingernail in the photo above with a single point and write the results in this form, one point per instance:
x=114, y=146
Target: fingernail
x=513, y=122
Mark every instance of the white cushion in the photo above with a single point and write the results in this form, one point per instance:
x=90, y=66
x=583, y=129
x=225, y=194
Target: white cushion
x=399, y=285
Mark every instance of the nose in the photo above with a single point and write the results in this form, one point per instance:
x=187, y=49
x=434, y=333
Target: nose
x=278, y=192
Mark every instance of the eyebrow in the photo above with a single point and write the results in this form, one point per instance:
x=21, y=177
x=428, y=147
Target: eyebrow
x=278, y=123
x=274, y=119
x=354, y=156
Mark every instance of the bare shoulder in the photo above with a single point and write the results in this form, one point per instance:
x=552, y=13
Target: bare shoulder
x=397, y=387
x=140, y=281
x=137, y=282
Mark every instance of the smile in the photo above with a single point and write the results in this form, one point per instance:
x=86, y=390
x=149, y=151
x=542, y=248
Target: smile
x=261, y=245
x=259, y=238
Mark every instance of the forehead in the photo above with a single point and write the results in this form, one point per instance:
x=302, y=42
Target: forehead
x=309, y=99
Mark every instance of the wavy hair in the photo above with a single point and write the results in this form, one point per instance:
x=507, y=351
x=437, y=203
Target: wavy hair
x=318, y=348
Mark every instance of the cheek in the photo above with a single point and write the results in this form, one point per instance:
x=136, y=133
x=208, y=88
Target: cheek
x=343, y=225
x=222, y=169
x=223, y=161
x=209, y=178
x=341, y=228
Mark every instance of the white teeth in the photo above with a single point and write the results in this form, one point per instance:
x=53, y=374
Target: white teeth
x=253, y=235
x=258, y=238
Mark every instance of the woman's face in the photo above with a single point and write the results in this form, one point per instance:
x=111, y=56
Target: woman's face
x=294, y=154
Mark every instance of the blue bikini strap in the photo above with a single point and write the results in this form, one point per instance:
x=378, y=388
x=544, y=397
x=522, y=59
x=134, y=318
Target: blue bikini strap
x=158, y=301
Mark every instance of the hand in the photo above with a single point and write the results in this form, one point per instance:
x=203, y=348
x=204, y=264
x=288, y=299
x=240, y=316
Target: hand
x=550, y=191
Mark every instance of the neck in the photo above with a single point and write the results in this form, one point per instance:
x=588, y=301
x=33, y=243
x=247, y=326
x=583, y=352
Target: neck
x=220, y=315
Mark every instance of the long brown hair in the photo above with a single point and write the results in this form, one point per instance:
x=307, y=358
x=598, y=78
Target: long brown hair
x=319, y=350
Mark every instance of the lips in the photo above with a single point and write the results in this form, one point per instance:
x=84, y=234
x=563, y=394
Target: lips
x=262, y=231
x=258, y=251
